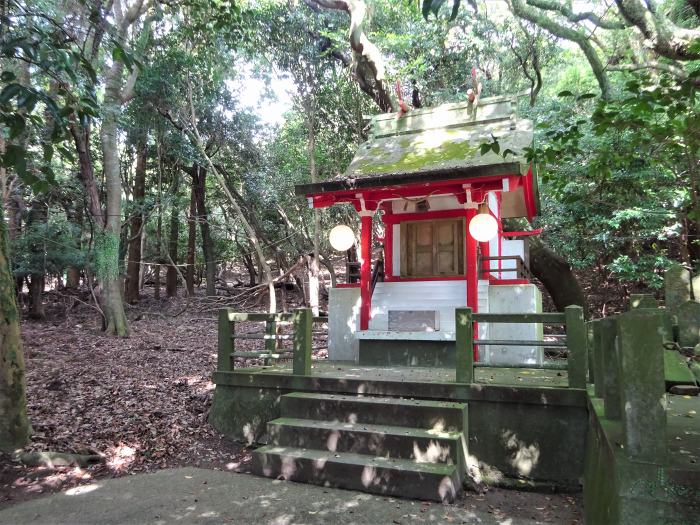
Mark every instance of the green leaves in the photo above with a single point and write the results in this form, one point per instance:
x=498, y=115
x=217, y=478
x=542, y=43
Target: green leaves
x=9, y=92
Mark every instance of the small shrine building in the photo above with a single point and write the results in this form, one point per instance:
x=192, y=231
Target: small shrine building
x=441, y=204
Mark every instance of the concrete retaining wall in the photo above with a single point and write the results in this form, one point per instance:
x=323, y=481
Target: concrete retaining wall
x=531, y=433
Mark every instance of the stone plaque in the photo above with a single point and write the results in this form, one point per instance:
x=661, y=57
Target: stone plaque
x=688, y=315
x=414, y=320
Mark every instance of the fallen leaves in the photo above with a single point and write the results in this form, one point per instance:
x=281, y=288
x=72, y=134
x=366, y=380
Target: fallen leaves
x=132, y=401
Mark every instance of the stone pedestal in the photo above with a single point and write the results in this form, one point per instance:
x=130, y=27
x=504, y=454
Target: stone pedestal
x=516, y=298
x=343, y=323
x=642, y=392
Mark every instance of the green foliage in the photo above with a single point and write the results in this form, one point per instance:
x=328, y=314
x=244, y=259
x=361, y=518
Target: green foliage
x=33, y=39
x=618, y=187
x=47, y=248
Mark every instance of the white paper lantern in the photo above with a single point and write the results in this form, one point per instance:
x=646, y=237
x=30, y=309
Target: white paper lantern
x=483, y=227
x=341, y=238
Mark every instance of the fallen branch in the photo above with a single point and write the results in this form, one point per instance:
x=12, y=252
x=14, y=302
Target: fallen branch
x=58, y=459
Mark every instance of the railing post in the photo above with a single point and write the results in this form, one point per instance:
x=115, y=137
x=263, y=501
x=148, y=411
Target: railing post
x=595, y=353
x=642, y=384
x=225, y=343
x=590, y=343
x=270, y=344
x=611, y=367
x=301, y=363
x=576, y=342
x=464, y=345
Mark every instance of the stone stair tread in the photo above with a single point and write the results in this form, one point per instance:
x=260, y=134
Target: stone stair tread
x=366, y=427
x=374, y=400
x=347, y=458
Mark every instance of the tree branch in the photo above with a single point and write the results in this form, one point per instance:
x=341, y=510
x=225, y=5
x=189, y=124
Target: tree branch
x=571, y=16
x=532, y=14
x=368, y=63
x=666, y=38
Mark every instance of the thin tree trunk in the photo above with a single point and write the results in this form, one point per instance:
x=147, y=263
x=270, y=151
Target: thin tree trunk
x=159, y=233
x=107, y=242
x=14, y=423
x=142, y=274
x=195, y=137
x=74, y=211
x=133, y=269
x=203, y=219
x=191, y=241
x=36, y=294
x=171, y=278
x=314, y=288
x=37, y=218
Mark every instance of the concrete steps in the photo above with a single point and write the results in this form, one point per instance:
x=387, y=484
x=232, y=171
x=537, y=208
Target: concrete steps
x=413, y=413
x=391, y=446
x=374, y=440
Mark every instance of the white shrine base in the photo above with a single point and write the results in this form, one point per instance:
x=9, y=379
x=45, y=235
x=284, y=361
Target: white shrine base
x=344, y=336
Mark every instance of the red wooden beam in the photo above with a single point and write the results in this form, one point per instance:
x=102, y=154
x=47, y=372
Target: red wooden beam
x=365, y=270
x=454, y=187
x=427, y=215
x=523, y=233
x=472, y=274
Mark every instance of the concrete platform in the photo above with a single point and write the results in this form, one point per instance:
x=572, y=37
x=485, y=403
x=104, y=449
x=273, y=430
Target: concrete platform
x=428, y=374
x=190, y=495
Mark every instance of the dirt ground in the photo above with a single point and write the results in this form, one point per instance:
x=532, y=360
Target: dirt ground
x=141, y=402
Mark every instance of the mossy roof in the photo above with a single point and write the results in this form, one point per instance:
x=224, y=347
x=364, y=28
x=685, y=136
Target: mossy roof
x=440, y=142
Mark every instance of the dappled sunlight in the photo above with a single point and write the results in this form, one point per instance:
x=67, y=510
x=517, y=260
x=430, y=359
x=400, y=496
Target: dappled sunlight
x=121, y=457
x=332, y=441
x=48, y=479
x=523, y=457
x=82, y=489
x=289, y=467
x=249, y=433
x=447, y=490
x=434, y=453
x=369, y=475
x=439, y=425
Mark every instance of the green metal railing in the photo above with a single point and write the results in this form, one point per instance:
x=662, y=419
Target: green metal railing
x=572, y=319
x=301, y=338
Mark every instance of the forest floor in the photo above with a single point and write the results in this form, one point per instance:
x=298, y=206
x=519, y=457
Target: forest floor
x=141, y=402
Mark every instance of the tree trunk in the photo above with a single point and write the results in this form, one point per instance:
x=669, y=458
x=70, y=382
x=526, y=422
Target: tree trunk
x=191, y=242
x=142, y=274
x=200, y=175
x=314, y=289
x=14, y=423
x=36, y=296
x=556, y=276
x=107, y=245
x=171, y=278
x=156, y=276
x=37, y=218
x=74, y=212
x=133, y=268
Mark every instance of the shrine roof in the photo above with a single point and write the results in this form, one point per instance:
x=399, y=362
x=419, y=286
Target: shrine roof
x=439, y=143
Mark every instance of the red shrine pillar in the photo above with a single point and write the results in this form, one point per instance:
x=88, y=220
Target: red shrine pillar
x=365, y=269
x=472, y=274
x=485, y=250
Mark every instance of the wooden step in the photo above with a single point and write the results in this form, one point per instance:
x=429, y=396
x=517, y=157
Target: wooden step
x=377, y=475
x=414, y=413
x=395, y=442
